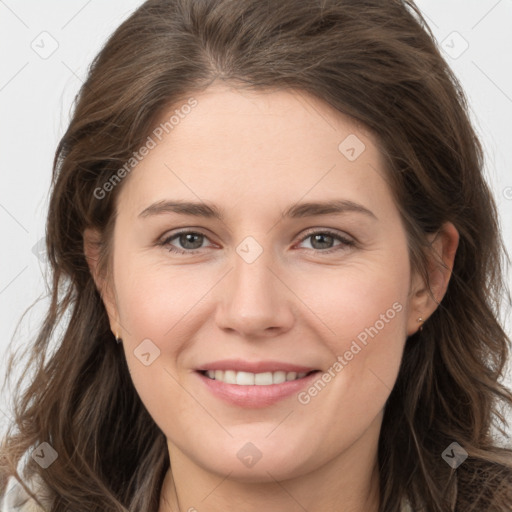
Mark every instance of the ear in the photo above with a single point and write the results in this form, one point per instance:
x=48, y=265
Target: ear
x=444, y=245
x=92, y=245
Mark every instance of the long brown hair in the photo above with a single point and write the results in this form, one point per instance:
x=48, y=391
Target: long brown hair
x=374, y=60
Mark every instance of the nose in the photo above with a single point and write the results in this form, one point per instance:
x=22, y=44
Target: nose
x=255, y=301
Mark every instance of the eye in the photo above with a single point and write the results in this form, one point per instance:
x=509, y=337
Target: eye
x=191, y=241
x=322, y=241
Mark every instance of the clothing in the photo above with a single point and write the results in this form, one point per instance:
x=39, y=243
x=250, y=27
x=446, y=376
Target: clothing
x=16, y=498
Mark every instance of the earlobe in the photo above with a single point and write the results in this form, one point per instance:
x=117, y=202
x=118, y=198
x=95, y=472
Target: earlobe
x=425, y=299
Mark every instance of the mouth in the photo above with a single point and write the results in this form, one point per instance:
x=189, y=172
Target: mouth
x=256, y=389
x=242, y=378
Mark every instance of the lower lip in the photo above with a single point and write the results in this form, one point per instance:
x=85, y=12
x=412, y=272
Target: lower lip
x=256, y=396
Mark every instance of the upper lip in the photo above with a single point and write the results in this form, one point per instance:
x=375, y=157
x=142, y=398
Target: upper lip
x=254, y=366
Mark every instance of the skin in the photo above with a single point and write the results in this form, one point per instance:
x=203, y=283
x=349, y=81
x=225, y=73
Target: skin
x=253, y=155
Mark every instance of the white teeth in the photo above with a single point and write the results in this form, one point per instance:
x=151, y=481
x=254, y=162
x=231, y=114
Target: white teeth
x=263, y=379
x=245, y=378
x=229, y=376
x=278, y=377
x=253, y=379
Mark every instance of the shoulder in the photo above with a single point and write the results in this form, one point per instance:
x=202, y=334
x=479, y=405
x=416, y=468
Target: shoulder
x=16, y=498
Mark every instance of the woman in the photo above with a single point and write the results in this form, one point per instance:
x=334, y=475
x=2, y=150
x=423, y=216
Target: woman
x=212, y=360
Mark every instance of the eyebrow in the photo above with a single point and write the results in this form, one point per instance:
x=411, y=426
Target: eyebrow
x=210, y=211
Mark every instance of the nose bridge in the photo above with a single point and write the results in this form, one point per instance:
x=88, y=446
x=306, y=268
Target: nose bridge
x=254, y=299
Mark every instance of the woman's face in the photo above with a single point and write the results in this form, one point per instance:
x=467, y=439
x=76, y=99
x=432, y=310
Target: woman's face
x=275, y=288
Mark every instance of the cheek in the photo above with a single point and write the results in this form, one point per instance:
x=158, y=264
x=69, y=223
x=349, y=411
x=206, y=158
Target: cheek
x=368, y=312
x=363, y=310
x=157, y=310
x=160, y=309
x=368, y=325
x=154, y=300
x=355, y=300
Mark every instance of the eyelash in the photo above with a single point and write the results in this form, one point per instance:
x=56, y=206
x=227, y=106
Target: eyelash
x=345, y=241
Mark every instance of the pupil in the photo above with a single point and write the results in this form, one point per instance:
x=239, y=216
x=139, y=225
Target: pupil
x=185, y=239
x=320, y=236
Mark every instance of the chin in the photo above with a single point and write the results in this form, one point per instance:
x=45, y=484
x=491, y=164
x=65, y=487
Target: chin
x=258, y=462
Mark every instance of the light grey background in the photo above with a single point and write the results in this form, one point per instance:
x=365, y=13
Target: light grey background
x=45, y=49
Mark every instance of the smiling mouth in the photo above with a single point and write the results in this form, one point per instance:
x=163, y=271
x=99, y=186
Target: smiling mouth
x=254, y=379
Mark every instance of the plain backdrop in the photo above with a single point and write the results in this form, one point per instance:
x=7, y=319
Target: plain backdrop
x=45, y=49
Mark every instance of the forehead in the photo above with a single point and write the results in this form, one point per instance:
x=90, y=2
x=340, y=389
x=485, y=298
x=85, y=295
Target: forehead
x=255, y=117
x=249, y=146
